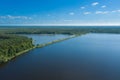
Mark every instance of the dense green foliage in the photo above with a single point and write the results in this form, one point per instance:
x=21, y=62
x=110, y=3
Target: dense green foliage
x=12, y=45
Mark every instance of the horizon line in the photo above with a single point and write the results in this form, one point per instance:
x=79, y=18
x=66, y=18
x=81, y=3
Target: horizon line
x=115, y=24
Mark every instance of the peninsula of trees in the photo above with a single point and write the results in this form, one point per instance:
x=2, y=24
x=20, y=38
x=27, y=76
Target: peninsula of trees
x=12, y=46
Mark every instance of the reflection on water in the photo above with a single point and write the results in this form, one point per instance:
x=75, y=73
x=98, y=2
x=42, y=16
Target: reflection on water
x=89, y=57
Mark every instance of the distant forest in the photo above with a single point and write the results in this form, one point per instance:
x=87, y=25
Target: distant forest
x=60, y=30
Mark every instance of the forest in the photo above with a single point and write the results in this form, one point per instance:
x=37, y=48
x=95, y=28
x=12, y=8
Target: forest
x=13, y=45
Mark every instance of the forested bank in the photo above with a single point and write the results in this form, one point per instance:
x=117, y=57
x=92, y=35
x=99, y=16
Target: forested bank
x=13, y=45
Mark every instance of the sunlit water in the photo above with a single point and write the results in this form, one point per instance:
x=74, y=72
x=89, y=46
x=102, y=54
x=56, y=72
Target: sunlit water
x=88, y=57
x=45, y=38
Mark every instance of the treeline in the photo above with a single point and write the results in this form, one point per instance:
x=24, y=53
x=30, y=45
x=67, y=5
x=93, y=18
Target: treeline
x=12, y=45
x=61, y=30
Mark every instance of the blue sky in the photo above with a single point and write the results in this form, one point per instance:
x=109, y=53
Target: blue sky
x=73, y=12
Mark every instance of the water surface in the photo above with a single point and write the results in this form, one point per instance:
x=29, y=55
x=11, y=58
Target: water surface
x=45, y=38
x=88, y=57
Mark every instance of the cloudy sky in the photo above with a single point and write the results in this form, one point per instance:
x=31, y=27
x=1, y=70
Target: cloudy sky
x=73, y=12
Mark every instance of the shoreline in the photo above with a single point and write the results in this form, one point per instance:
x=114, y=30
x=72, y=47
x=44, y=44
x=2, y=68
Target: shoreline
x=17, y=54
x=55, y=41
x=37, y=46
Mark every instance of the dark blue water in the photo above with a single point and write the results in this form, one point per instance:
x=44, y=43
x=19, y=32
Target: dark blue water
x=89, y=57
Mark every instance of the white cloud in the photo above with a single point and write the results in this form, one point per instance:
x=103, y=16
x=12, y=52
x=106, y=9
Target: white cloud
x=107, y=12
x=98, y=12
x=67, y=20
x=71, y=13
x=104, y=6
x=95, y=3
x=14, y=17
x=101, y=12
x=82, y=7
x=86, y=13
x=118, y=10
x=113, y=11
